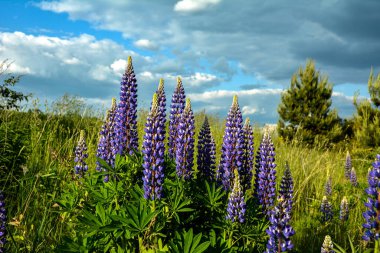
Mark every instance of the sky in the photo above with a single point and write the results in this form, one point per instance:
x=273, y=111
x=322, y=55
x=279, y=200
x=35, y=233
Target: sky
x=218, y=47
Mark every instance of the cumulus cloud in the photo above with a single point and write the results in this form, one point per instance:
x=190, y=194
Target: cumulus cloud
x=194, y=5
x=146, y=44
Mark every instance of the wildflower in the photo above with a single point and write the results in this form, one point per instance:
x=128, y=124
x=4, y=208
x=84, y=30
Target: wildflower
x=106, y=148
x=371, y=216
x=81, y=156
x=265, y=181
x=247, y=156
x=353, y=177
x=3, y=219
x=176, y=109
x=280, y=229
x=326, y=209
x=348, y=166
x=126, y=118
x=328, y=187
x=232, y=147
x=162, y=102
x=236, y=205
x=286, y=187
x=185, y=143
x=327, y=246
x=343, y=213
x=206, y=152
x=153, y=153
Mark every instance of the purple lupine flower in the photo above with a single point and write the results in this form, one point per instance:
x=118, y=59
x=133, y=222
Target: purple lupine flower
x=327, y=246
x=348, y=166
x=343, y=213
x=106, y=149
x=247, y=156
x=176, y=109
x=162, y=102
x=185, y=143
x=353, y=177
x=126, y=118
x=206, y=153
x=81, y=155
x=232, y=147
x=3, y=220
x=326, y=209
x=287, y=187
x=280, y=229
x=372, y=224
x=153, y=153
x=236, y=205
x=328, y=186
x=265, y=181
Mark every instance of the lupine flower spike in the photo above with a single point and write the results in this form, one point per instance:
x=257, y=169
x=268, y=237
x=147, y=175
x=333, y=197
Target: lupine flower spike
x=126, y=123
x=3, y=220
x=328, y=186
x=106, y=147
x=247, y=156
x=81, y=156
x=206, y=153
x=176, y=108
x=232, y=147
x=326, y=209
x=280, y=230
x=162, y=101
x=286, y=187
x=265, y=180
x=348, y=166
x=343, y=213
x=236, y=205
x=353, y=177
x=185, y=143
x=327, y=246
x=372, y=224
x=153, y=153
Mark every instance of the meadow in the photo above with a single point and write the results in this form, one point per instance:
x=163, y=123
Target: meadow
x=50, y=208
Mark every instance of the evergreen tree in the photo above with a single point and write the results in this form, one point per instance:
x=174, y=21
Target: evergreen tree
x=305, y=108
x=367, y=118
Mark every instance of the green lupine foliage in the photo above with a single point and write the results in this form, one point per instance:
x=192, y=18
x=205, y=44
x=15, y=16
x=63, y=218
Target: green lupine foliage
x=367, y=117
x=305, y=108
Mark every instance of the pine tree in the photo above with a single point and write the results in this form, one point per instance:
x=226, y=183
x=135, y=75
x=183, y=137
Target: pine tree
x=367, y=117
x=305, y=108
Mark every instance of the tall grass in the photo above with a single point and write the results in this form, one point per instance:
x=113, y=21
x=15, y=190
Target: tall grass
x=40, y=147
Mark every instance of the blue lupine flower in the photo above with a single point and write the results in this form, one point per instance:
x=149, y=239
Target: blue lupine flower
x=348, y=166
x=327, y=246
x=162, y=102
x=328, y=186
x=232, y=147
x=176, y=109
x=353, y=177
x=206, y=153
x=247, y=156
x=287, y=187
x=126, y=118
x=185, y=143
x=265, y=181
x=343, y=213
x=372, y=224
x=236, y=205
x=326, y=209
x=3, y=220
x=106, y=148
x=81, y=156
x=153, y=153
x=280, y=229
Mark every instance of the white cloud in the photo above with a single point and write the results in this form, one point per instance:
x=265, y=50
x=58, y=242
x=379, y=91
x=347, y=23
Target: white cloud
x=194, y=5
x=146, y=44
x=119, y=66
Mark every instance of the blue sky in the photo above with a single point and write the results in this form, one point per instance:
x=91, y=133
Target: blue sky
x=219, y=48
